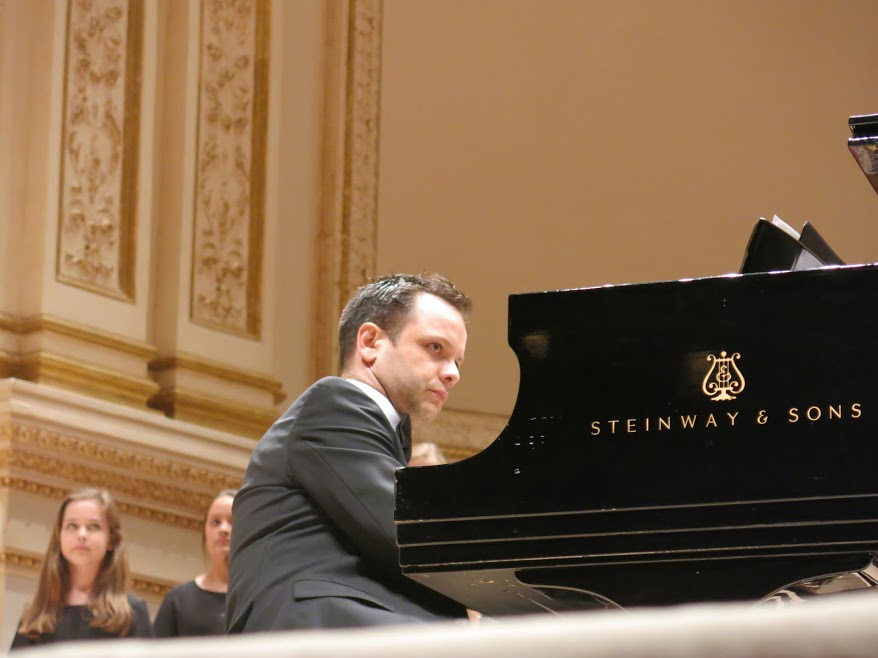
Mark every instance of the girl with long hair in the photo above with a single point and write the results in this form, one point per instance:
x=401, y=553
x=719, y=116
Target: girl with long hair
x=199, y=606
x=83, y=588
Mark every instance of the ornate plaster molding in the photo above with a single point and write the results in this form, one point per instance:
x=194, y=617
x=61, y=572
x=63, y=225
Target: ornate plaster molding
x=70, y=373
x=347, y=239
x=230, y=169
x=211, y=411
x=44, y=322
x=152, y=588
x=163, y=490
x=63, y=372
x=48, y=491
x=143, y=464
x=100, y=146
x=221, y=371
x=360, y=208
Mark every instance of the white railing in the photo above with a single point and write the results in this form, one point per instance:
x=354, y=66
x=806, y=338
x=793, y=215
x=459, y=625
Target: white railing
x=842, y=626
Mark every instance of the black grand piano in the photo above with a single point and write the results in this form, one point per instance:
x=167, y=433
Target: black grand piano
x=712, y=439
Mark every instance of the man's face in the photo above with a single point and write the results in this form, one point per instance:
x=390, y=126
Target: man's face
x=419, y=369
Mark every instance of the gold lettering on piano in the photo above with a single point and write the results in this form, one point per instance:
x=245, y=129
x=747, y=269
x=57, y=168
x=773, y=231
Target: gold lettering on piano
x=723, y=378
x=661, y=423
x=813, y=413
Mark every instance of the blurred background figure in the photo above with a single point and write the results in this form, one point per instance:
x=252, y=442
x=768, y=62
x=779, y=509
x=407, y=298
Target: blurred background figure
x=199, y=606
x=83, y=588
x=427, y=454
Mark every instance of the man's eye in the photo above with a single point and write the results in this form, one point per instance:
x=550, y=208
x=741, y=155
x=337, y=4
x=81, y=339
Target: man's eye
x=436, y=347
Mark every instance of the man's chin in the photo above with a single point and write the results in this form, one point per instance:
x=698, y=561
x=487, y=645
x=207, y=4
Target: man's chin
x=425, y=414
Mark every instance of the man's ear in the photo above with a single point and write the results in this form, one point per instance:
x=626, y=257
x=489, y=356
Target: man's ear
x=369, y=338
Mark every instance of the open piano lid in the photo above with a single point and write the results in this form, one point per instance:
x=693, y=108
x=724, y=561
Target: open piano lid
x=695, y=440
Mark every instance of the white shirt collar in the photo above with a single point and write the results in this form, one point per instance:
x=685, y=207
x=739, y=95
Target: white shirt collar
x=381, y=400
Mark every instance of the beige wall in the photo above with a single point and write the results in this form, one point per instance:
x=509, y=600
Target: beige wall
x=529, y=145
x=521, y=145
x=518, y=145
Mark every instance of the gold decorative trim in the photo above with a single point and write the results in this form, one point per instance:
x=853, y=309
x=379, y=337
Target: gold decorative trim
x=28, y=561
x=213, y=412
x=8, y=364
x=347, y=240
x=121, y=483
x=167, y=518
x=60, y=371
x=24, y=436
x=220, y=371
x=360, y=209
x=34, y=323
x=150, y=587
x=9, y=322
x=100, y=135
x=226, y=278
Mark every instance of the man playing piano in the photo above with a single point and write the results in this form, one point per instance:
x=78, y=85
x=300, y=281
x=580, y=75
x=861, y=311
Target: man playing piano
x=314, y=542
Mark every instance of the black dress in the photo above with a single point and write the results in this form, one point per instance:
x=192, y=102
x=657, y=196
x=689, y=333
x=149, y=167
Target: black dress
x=190, y=610
x=74, y=625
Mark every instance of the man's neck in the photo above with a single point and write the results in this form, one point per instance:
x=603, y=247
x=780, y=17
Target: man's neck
x=379, y=397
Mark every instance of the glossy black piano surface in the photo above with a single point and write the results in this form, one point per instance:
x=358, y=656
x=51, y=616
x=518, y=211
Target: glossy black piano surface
x=697, y=440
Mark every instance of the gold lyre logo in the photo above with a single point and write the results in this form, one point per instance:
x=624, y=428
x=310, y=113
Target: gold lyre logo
x=723, y=381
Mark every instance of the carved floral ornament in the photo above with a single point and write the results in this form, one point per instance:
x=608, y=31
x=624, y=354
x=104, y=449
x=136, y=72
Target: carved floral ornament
x=99, y=146
x=230, y=169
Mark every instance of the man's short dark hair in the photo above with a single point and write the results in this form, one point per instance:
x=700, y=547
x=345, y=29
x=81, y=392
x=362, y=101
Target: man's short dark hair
x=387, y=303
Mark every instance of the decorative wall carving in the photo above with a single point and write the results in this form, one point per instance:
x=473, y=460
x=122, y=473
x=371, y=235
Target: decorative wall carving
x=360, y=213
x=152, y=588
x=349, y=219
x=99, y=146
x=159, y=485
x=30, y=486
x=230, y=169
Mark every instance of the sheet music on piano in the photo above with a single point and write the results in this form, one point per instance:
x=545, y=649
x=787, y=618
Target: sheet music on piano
x=775, y=246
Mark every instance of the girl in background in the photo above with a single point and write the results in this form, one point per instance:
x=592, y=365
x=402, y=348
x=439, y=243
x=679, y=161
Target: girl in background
x=199, y=606
x=83, y=588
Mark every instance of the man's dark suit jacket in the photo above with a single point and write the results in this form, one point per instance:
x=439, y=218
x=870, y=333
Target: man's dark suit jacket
x=313, y=538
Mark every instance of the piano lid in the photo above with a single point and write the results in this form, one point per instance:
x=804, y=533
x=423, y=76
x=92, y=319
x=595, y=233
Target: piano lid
x=671, y=430
x=680, y=441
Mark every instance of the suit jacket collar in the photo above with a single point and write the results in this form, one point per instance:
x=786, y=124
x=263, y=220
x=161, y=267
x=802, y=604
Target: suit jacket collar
x=401, y=424
x=404, y=429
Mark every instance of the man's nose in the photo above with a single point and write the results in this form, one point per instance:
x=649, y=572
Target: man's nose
x=450, y=374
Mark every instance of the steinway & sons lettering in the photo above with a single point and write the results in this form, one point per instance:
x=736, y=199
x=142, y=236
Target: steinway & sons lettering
x=793, y=415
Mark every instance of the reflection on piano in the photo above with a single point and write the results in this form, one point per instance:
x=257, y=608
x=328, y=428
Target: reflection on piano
x=699, y=440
